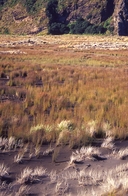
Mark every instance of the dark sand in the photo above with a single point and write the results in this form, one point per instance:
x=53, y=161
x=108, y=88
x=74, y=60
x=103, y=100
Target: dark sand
x=46, y=186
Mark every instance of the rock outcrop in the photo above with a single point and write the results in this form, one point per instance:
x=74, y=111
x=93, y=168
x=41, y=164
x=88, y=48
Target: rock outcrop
x=121, y=17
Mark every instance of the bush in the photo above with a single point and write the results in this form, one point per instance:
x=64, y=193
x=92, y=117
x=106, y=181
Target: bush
x=58, y=29
x=79, y=26
x=94, y=29
x=82, y=26
x=108, y=25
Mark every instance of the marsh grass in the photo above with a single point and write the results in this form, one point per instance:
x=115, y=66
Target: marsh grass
x=55, y=81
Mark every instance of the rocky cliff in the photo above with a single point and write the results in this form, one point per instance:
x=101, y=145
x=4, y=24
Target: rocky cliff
x=25, y=17
x=120, y=17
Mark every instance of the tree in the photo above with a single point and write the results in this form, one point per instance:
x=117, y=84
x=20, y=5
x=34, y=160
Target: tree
x=51, y=11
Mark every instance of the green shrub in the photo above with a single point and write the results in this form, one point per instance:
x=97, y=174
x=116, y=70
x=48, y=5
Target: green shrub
x=82, y=26
x=58, y=29
x=108, y=25
x=94, y=29
x=79, y=26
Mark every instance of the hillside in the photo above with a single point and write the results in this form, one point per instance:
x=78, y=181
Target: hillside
x=34, y=16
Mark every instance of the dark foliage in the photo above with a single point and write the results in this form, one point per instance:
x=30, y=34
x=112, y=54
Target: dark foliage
x=55, y=27
x=82, y=26
x=51, y=11
x=58, y=29
x=2, y=2
x=79, y=26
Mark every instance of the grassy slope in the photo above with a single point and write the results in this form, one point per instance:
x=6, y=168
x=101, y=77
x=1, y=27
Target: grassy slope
x=21, y=18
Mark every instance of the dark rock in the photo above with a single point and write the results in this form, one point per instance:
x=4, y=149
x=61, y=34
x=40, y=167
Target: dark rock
x=98, y=158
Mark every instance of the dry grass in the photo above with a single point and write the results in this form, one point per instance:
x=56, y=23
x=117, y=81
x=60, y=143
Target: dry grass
x=122, y=153
x=101, y=182
x=29, y=175
x=84, y=153
x=26, y=176
x=108, y=143
x=87, y=181
x=4, y=170
x=61, y=187
x=18, y=158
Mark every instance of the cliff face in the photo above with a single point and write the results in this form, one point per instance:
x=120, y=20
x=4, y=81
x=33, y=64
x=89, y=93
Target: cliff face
x=121, y=17
x=18, y=19
x=95, y=11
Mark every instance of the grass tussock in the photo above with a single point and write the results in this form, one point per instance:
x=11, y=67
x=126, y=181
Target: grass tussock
x=29, y=175
x=4, y=170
